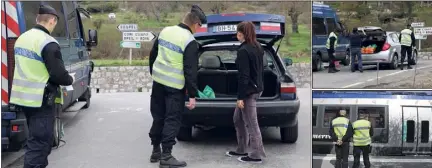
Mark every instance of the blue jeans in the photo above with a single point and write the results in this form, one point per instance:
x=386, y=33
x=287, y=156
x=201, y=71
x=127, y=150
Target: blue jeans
x=356, y=52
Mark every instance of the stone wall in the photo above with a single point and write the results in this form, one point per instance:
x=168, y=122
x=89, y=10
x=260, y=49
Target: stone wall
x=138, y=79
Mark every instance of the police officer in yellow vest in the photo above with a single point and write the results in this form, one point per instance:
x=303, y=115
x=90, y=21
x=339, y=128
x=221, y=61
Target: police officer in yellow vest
x=407, y=40
x=174, y=66
x=39, y=71
x=363, y=131
x=341, y=133
x=331, y=44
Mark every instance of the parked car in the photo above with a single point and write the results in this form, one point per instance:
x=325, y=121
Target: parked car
x=279, y=103
x=388, y=50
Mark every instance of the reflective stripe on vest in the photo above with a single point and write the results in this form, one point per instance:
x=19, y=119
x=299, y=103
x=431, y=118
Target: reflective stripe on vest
x=406, y=37
x=361, y=135
x=328, y=40
x=340, y=126
x=168, y=66
x=30, y=74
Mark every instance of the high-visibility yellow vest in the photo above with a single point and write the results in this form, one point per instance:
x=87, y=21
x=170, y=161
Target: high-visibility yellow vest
x=168, y=66
x=406, y=37
x=340, y=126
x=332, y=34
x=361, y=135
x=30, y=74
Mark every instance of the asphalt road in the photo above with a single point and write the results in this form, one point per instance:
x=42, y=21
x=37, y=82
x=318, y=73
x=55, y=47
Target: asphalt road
x=113, y=133
x=368, y=79
x=328, y=161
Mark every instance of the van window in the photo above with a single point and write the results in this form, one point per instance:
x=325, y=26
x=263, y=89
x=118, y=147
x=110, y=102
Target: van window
x=331, y=24
x=331, y=111
x=72, y=20
x=314, y=115
x=318, y=27
x=31, y=9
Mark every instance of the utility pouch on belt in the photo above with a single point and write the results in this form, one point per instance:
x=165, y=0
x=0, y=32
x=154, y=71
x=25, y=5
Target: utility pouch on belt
x=50, y=94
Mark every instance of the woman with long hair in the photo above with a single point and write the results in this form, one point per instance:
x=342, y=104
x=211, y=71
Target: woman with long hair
x=249, y=63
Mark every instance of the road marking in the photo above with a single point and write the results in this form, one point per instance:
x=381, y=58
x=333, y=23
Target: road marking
x=391, y=74
x=331, y=157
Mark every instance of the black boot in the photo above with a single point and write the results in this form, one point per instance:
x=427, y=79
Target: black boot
x=409, y=67
x=331, y=70
x=337, y=70
x=168, y=161
x=156, y=154
x=401, y=66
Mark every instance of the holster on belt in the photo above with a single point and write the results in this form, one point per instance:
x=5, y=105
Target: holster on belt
x=50, y=94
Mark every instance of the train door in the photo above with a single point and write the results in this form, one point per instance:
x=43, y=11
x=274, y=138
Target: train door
x=416, y=130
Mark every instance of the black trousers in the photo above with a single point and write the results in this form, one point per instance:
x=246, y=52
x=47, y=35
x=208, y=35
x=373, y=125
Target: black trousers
x=166, y=106
x=365, y=150
x=405, y=50
x=332, y=58
x=342, y=153
x=40, y=122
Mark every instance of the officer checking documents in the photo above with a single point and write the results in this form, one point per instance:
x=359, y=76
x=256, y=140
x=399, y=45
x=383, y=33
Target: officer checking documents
x=174, y=66
x=39, y=72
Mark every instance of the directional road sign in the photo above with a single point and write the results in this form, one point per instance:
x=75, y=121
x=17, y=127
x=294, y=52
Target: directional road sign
x=423, y=31
x=138, y=36
x=417, y=24
x=420, y=37
x=127, y=27
x=130, y=44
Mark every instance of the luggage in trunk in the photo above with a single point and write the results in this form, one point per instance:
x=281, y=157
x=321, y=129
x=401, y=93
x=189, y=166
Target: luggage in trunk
x=375, y=38
x=224, y=82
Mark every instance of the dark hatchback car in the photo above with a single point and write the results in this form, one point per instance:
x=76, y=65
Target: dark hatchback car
x=278, y=106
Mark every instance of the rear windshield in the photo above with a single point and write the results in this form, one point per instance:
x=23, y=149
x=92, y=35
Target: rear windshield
x=229, y=56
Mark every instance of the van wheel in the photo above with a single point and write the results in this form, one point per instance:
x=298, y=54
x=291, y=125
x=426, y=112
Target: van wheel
x=394, y=63
x=319, y=63
x=289, y=134
x=346, y=61
x=185, y=133
x=86, y=97
x=57, y=127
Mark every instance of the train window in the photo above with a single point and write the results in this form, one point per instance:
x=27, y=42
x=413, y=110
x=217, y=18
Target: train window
x=424, y=131
x=410, y=131
x=318, y=27
x=331, y=111
x=375, y=115
x=314, y=115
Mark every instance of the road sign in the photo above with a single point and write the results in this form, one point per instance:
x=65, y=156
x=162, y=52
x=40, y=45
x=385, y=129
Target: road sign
x=423, y=31
x=420, y=37
x=417, y=24
x=130, y=44
x=138, y=36
x=127, y=27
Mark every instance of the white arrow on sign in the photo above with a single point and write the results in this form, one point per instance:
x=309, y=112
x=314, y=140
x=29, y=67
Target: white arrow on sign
x=423, y=31
x=138, y=36
x=127, y=27
x=130, y=44
x=417, y=24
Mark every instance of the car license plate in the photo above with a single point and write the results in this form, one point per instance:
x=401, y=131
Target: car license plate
x=226, y=28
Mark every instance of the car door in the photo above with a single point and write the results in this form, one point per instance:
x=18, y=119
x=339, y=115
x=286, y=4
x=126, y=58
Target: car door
x=76, y=49
x=394, y=42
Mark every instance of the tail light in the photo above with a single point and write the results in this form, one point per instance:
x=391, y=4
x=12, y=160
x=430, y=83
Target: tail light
x=272, y=27
x=202, y=29
x=386, y=46
x=288, y=91
x=15, y=128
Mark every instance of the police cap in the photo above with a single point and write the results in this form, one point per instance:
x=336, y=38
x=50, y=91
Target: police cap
x=46, y=9
x=200, y=13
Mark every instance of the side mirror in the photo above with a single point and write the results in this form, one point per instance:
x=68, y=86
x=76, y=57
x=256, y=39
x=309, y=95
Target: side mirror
x=93, y=39
x=288, y=61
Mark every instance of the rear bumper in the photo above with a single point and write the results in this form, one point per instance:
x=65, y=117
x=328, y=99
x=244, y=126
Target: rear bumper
x=13, y=138
x=383, y=57
x=270, y=113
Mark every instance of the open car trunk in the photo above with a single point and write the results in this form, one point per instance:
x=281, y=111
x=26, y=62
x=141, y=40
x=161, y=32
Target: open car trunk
x=376, y=37
x=221, y=74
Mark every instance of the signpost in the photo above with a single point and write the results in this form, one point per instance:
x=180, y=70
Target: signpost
x=421, y=32
x=127, y=27
x=132, y=38
x=138, y=36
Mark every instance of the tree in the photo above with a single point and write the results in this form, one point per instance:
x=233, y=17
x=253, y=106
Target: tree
x=294, y=12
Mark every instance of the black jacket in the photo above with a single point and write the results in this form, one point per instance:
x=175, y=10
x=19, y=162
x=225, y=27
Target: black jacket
x=190, y=63
x=346, y=137
x=249, y=63
x=413, y=43
x=356, y=40
x=52, y=56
